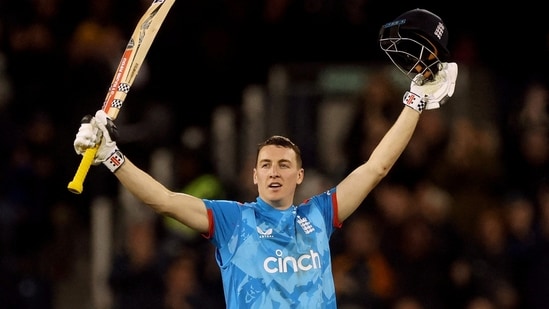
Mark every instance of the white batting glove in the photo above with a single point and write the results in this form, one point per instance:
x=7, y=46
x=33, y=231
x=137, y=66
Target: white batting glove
x=108, y=152
x=88, y=135
x=433, y=93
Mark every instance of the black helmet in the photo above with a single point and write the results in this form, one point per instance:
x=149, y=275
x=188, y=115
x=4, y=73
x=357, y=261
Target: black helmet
x=416, y=42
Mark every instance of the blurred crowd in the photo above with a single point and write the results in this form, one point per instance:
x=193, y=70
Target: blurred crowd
x=462, y=221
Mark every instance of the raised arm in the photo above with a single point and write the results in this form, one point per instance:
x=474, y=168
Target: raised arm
x=187, y=209
x=352, y=190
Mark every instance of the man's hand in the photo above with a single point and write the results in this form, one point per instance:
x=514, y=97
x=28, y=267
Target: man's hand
x=87, y=136
x=433, y=93
x=99, y=131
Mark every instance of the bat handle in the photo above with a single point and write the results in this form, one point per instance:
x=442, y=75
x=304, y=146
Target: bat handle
x=77, y=184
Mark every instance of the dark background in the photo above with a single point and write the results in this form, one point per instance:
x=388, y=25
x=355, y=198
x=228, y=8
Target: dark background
x=57, y=59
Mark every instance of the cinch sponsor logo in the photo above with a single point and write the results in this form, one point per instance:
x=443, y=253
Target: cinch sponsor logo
x=282, y=264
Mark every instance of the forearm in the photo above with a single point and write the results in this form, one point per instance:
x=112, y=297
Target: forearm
x=185, y=208
x=357, y=185
x=394, y=142
x=142, y=185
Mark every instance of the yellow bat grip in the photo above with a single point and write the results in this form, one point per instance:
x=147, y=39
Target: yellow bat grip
x=77, y=184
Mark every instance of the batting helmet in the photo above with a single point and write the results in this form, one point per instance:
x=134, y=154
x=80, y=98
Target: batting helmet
x=416, y=42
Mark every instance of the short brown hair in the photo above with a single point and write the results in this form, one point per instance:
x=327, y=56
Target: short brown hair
x=282, y=141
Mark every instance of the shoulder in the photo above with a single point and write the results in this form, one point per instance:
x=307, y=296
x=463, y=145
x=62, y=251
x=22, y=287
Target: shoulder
x=225, y=203
x=228, y=206
x=321, y=198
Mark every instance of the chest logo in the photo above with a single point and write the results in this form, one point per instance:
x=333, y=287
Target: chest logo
x=305, y=225
x=265, y=234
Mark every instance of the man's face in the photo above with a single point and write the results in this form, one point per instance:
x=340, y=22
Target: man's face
x=277, y=175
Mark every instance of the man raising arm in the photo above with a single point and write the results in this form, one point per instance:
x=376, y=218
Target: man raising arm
x=272, y=253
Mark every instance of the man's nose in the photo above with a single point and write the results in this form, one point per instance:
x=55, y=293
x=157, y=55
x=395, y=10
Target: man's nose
x=274, y=172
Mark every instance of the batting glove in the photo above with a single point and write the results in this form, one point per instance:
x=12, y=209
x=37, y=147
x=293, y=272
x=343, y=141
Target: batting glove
x=108, y=152
x=87, y=136
x=433, y=93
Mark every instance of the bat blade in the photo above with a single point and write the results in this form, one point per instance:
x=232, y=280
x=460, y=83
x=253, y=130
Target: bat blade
x=128, y=68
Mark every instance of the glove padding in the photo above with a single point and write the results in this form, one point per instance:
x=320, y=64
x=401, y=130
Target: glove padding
x=109, y=135
x=433, y=93
x=87, y=136
x=99, y=131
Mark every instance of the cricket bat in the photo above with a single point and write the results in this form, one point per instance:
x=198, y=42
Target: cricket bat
x=132, y=58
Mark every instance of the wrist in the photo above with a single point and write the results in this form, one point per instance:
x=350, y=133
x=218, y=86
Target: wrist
x=115, y=160
x=414, y=101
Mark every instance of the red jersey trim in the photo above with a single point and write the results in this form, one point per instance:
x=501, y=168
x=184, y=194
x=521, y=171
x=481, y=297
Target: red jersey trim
x=210, y=232
x=336, y=221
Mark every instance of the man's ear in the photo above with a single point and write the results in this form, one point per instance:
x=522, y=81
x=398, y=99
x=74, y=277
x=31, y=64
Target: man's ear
x=254, y=176
x=300, y=176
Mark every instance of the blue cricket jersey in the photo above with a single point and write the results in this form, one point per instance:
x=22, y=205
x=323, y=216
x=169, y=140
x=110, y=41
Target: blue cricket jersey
x=275, y=259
